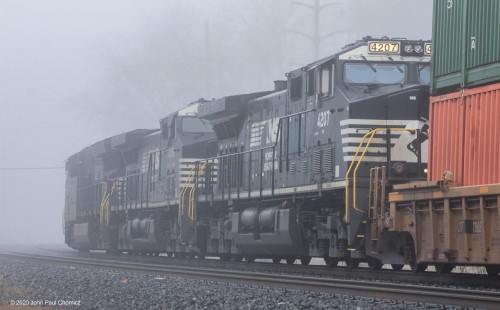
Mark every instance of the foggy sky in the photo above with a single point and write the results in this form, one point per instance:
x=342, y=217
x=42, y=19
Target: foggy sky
x=75, y=72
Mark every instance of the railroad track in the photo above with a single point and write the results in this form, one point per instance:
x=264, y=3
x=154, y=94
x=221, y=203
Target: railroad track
x=367, y=288
x=480, y=280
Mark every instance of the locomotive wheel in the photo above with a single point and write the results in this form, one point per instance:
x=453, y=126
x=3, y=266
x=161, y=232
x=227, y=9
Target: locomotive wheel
x=225, y=257
x=352, y=263
x=397, y=267
x=290, y=260
x=180, y=255
x=417, y=268
x=492, y=270
x=331, y=262
x=200, y=256
x=250, y=259
x=374, y=264
x=444, y=268
x=304, y=261
x=237, y=258
x=276, y=260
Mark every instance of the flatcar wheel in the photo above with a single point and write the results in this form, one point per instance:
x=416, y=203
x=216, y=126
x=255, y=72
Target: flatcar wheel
x=304, y=261
x=331, y=262
x=276, y=260
x=290, y=260
x=492, y=270
x=374, y=264
x=352, y=263
x=417, y=268
x=250, y=259
x=444, y=268
x=397, y=267
x=225, y=257
x=200, y=256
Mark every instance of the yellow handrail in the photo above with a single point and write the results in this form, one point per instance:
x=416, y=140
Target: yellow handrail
x=104, y=192
x=191, y=207
x=371, y=133
x=182, y=192
x=104, y=210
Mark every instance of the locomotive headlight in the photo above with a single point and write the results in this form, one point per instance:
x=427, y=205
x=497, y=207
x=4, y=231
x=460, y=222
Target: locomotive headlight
x=419, y=49
x=425, y=170
x=399, y=169
x=408, y=48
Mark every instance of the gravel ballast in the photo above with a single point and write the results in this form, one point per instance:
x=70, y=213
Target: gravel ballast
x=39, y=284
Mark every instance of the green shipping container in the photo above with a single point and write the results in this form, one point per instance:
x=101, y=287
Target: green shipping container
x=466, y=44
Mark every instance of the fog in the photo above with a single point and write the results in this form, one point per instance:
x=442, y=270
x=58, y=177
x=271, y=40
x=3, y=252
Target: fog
x=74, y=72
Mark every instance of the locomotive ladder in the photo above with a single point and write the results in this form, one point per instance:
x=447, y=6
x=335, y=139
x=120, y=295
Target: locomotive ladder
x=377, y=204
x=355, y=160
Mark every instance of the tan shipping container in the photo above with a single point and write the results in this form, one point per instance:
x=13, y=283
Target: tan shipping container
x=463, y=136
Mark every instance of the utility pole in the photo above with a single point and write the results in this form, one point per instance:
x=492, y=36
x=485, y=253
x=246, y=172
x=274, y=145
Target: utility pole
x=207, y=62
x=316, y=38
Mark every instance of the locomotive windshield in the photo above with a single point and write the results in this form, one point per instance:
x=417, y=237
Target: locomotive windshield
x=375, y=73
x=195, y=125
x=424, y=75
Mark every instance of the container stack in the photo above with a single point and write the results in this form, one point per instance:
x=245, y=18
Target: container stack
x=465, y=106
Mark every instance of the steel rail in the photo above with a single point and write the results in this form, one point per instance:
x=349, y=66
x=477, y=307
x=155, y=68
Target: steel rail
x=367, y=288
x=481, y=280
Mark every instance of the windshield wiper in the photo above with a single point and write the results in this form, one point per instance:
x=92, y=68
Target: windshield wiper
x=422, y=67
x=362, y=87
x=371, y=86
x=397, y=66
x=368, y=87
x=369, y=63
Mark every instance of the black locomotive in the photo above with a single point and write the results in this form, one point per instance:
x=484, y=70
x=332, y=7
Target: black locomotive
x=283, y=174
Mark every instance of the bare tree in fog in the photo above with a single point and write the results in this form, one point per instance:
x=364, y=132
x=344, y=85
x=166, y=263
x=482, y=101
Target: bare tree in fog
x=194, y=49
x=197, y=51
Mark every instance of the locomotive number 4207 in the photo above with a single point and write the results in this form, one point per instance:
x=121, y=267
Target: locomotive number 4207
x=384, y=47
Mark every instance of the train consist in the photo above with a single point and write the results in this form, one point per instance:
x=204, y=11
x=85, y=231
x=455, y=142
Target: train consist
x=286, y=174
x=332, y=163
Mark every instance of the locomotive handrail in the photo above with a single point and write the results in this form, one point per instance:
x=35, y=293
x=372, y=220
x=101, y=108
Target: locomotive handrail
x=104, y=211
x=371, y=133
x=262, y=148
x=273, y=147
x=183, y=191
x=191, y=207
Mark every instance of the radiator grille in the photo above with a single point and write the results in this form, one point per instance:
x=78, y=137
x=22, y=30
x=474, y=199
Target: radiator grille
x=317, y=162
x=328, y=160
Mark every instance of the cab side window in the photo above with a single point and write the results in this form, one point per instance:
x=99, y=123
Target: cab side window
x=296, y=88
x=311, y=82
x=326, y=81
